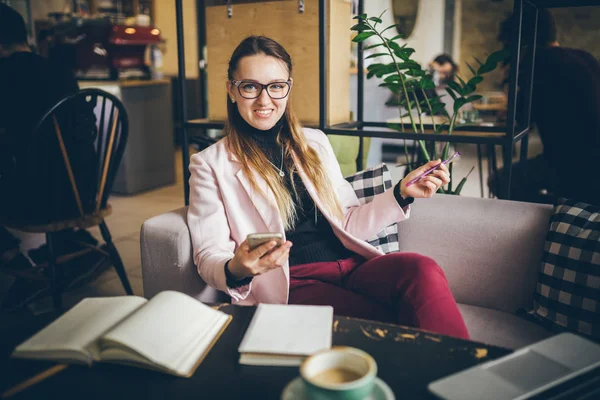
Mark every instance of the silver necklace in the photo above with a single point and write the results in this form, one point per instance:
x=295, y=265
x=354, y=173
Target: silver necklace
x=280, y=169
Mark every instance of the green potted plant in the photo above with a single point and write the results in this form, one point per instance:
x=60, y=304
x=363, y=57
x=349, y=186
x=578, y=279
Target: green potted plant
x=407, y=79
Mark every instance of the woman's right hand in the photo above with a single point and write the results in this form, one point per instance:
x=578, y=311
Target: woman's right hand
x=246, y=262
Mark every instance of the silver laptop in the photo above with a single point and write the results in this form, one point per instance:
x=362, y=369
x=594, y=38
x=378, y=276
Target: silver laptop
x=542, y=370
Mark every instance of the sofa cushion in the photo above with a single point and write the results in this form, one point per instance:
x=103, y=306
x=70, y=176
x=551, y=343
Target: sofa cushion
x=367, y=183
x=568, y=291
x=500, y=328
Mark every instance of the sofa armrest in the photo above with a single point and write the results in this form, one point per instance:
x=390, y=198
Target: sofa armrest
x=167, y=260
x=489, y=249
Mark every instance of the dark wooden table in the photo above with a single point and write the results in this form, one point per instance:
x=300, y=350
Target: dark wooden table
x=408, y=359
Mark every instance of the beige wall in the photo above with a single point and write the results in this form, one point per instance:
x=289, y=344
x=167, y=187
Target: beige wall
x=479, y=27
x=577, y=27
x=299, y=34
x=164, y=12
x=41, y=8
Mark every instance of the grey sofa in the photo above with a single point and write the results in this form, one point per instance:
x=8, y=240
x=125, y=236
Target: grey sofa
x=490, y=251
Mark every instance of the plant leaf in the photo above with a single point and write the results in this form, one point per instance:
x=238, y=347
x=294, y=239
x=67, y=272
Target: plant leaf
x=441, y=128
x=362, y=36
x=373, y=46
x=471, y=69
x=375, y=19
x=392, y=78
x=478, y=61
x=389, y=27
x=497, y=56
x=360, y=27
x=462, y=82
x=360, y=17
x=451, y=93
x=468, y=89
x=462, y=182
x=393, y=45
x=394, y=87
x=377, y=55
x=473, y=98
x=459, y=103
x=409, y=65
x=404, y=53
x=455, y=87
x=485, y=68
x=397, y=37
x=476, y=80
x=426, y=82
x=397, y=127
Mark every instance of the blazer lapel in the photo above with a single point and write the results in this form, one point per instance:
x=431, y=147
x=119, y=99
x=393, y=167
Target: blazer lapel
x=264, y=202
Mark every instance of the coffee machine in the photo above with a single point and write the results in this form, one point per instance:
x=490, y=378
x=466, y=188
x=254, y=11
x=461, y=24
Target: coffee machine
x=101, y=49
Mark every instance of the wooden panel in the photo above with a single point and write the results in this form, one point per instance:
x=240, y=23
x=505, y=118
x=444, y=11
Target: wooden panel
x=299, y=34
x=164, y=13
x=338, y=91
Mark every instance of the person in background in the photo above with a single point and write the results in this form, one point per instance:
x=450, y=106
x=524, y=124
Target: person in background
x=269, y=174
x=29, y=86
x=443, y=69
x=565, y=108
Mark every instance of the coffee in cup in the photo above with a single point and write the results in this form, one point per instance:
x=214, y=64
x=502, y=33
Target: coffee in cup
x=340, y=373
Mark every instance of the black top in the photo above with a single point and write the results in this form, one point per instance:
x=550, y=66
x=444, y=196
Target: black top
x=566, y=110
x=29, y=86
x=312, y=235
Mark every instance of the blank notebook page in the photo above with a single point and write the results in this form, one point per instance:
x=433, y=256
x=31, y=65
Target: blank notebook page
x=288, y=329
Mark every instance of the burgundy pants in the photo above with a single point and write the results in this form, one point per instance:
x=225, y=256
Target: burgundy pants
x=402, y=288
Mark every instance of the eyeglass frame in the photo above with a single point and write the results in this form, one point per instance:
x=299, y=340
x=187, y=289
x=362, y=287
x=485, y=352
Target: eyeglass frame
x=263, y=87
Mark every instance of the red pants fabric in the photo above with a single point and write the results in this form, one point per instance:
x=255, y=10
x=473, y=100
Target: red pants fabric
x=402, y=288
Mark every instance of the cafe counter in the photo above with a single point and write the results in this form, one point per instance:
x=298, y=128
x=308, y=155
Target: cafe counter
x=148, y=161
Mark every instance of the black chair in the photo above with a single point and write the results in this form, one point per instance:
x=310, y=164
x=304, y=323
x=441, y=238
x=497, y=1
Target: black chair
x=67, y=176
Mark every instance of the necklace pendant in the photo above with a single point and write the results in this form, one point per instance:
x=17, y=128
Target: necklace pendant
x=281, y=173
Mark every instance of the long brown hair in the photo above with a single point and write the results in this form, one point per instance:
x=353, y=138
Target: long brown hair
x=290, y=137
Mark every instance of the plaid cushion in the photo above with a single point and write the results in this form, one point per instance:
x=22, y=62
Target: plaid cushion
x=568, y=291
x=367, y=184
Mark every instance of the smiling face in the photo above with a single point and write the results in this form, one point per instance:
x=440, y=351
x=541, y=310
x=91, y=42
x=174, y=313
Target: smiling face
x=262, y=112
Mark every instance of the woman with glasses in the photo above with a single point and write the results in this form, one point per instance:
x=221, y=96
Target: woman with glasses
x=269, y=174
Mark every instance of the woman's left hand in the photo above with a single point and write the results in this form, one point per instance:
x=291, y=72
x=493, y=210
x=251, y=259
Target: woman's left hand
x=428, y=185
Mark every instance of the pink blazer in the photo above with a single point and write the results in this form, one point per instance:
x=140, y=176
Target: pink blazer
x=224, y=209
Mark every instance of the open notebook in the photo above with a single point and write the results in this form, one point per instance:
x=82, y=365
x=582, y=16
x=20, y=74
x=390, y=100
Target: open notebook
x=285, y=335
x=171, y=333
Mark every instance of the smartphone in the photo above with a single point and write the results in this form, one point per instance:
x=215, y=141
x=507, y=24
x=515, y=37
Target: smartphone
x=455, y=156
x=256, y=239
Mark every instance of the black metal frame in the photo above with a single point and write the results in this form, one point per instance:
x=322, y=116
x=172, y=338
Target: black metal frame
x=362, y=129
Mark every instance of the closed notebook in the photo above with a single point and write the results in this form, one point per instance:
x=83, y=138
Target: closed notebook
x=286, y=334
x=171, y=333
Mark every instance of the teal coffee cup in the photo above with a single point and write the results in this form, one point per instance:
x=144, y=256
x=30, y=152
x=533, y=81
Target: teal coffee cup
x=340, y=373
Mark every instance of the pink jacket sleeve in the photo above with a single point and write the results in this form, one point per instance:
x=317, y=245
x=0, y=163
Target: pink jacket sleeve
x=209, y=229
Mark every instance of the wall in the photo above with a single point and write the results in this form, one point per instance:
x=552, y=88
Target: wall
x=164, y=12
x=479, y=27
x=577, y=27
x=428, y=36
x=41, y=8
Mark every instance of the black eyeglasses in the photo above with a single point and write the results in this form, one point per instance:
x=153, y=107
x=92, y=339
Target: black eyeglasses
x=252, y=90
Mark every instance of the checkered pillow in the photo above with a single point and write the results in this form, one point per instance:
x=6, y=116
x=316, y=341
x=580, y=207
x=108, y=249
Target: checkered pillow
x=367, y=184
x=568, y=291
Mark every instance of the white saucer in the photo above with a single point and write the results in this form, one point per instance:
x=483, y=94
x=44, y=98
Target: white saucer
x=295, y=391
